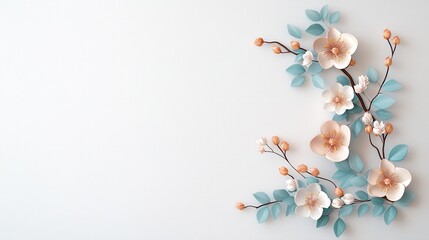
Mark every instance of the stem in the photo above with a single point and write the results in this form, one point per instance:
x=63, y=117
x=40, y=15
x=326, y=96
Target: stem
x=324, y=179
x=287, y=49
x=362, y=103
x=384, y=144
x=265, y=204
x=372, y=144
x=287, y=160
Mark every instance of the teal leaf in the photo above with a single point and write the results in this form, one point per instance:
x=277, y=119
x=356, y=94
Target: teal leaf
x=391, y=86
x=343, y=166
x=290, y=210
x=339, y=174
x=355, y=163
x=299, y=57
x=383, y=101
x=406, y=199
x=362, y=195
x=324, y=12
x=322, y=221
x=339, y=227
x=294, y=31
x=390, y=214
x=327, y=211
x=313, y=15
x=275, y=210
x=356, y=127
x=377, y=201
x=355, y=109
x=289, y=201
x=372, y=75
x=359, y=181
x=300, y=50
x=343, y=80
x=398, y=153
x=280, y=194
x=318, y=81
x=346, y=182
x=262, y=214
x=262, y=197
x=344, y=116
x=315, y=68
x=301, y=184
x=363, y=209
x=315, y=29
x=383, y=114
x=296, y=69
x=311, y=180
x=346, y=210
x=297, y=81
x=378, y=210
x=334, y=17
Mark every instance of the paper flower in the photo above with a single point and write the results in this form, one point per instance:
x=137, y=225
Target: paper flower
x=348, y=199
x=338, y=99
x=362, y=84
x=379, y=128
x=291, y=185
x=388, y=180
x=336, y=49
x=307, y=59
x=333, y=142
x=261, y=149
x=310, y=201
x=337, y=203
x=367, y=118
x=262, y=141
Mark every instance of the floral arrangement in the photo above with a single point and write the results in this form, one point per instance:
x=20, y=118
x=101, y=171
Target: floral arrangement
x=380, y=189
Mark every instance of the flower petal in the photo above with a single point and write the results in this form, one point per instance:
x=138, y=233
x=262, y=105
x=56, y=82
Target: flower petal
x=340, y=109
x=327, y=96
x=324, y=200
x=301, y=197
x=302, y=211
x=316, y=213
x=329, y=107
x=341, y=154
x=314, y=188
x=404, y=176
x=385, y=164
x=345, y=133
x=350, y=41
x=343, y=61
x=317, y=145
x=333, y=34
x=348, y=105
x=348, y=92
x=329, y=126
x=395, y=193
x=375, y=191
x=373, y=176
x=325, y=61
x=320, y=44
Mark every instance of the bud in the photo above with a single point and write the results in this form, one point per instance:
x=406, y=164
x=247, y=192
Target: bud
x=262, y=141
x=283, y=171
x=285, y=146
x=352, y=62
x=259, y=42
x=291, y=185
x=314, y=172
x=396, y=40
x=388, y=128
x=295, y=45
x=388, y=62
x=339, y=192
x=240, y=206
x=368, y=129
x=337, y=203
x=277, y=50
x=348, y=199
x=261, y=149
x=275, y=140
x=302, y=168
x=387, y=34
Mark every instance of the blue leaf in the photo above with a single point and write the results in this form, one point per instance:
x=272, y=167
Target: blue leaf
x=311, y=180
x=391, y=86
x=377, y=210
x=359, y=181
x=383, y=101
x=315, y=29
x=296, y=69
x=318, y=81
x=334, y=17
x=372, y=75
x=262, y=214
x=355, y=163
x=298, y=81
x=300, y=50
x=290, y=210
x=262, y=197
x=299, y=57
x=377, y=201
x=343, y=166
x=275, y=210
x=322, y=221
x=324, y=12
x=346, y=210
x=355, y=109
x=343, y=80
x=356, y=127
x=339, y=227
x=362, y=195
x=398, y=153
x=363, y=209
x=294, y=31
x=339, y=174
x=280, y=194
x=327, y=211
x=346, y=182
x=383, y=114
x=406, y=199
x=390, y=214
x=344, y=116
x=290, y=201
x=315, y=68
x=313, y=15
x=301, y=184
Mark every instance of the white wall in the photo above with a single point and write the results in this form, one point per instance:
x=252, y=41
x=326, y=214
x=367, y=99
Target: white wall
x=138, y=119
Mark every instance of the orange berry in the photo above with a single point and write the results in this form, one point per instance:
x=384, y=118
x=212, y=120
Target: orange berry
x=285, y=146
x=302, y=168
x=283, y=171
x=368, y=129
x=277, y=50
x=387, y=34
x=240, y=206
x=388, y=62
x=314, y=172
x=259, y=42
x=295, y=45
x=389, y=128
x=396, y=40
x=275, y=140
x=339, y=192
x=352, y=63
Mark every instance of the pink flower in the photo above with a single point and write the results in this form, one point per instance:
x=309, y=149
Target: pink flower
x=333, y=142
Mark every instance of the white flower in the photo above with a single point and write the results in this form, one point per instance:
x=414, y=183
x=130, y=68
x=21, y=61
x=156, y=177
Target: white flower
x=262, y=141
x=336, y=49
x=348, y=198
x=337, y=203
x=388, y=180
x=367, y=118
x=362, y=84
x=379, y=128
x=261, y=149
x=310, y=201
x=291, y=185
x=338, y=99
x=307, y=59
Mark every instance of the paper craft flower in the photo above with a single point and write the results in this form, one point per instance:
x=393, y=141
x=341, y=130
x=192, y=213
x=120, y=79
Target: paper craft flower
x=307, y=59
x=348, y=199
x=291, y=185
x=388, y=180
x=362, y=84
x=337, y=203
x=336, y=49
x=338, y=99
x=333, y=142
x=310, y=201
x=367, y=118
x=379, y=128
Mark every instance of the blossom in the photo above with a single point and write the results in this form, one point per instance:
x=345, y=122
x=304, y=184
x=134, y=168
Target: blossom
x=333, y=142
x=362, y=84
x=348, y=198
x=307, y=59
x=262, y=141
x=336, y=49
x=261, y=149
x=337, y=203
x=291, y=185
x=310, y=201
x=379, y=128
x=338, y=99
x=388, y=180
x=367, y=118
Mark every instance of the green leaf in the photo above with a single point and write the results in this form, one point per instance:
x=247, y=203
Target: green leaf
x=301, y=184
x=344, y=116
x=406, y=199
x=290, y=210
x=311, y=180
x=343, y=166
x=339, y=227
x=363, y=209
x=343, y=80
x=390, y=214
x=327, y=211
x=262, y=197
x=297, y=81
x=315, y=29
x=322, y=221
x=275, y=210
x=324, y=12
x=280, y=194
x=383, y=114
x=334, y=17
x=391, y=86
x=383, y=101
x=315, y=68
x=356, y=127
x=372, y=75
x=362, y=195
x=262, y=214
x=355, y=109
x=355, y=163
x=296, y=69
x=294, y=31
x=318, y=81
x=398, y=153
x=377, y=201
x=359, y=181
x=346, y=210
x=377, y=210
x=313, y=15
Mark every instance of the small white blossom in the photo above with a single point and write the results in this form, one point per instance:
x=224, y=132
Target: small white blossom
x=337, y=203
x=379, y=128
x=348, y=198
x=362, y=85
x=262, y=141
x=261, y=149
x=307, y=59
x=367, y=118
x=338, y=98
x=311, y=201
x=291, y=185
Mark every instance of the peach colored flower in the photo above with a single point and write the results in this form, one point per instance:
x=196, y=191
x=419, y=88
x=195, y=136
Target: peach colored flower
x=311, y=201
x=333, y=142
x=338, y=99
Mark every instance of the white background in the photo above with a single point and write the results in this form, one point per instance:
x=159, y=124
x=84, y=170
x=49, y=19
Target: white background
x=138, y=119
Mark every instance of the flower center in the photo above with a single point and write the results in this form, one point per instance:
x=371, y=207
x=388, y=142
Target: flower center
x=311, y=201
x=387, y=180
x=335, y=51
x=339, y=99
x=332, y=140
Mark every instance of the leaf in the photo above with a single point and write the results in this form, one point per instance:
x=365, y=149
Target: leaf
x=383, y=101
x=322, y=221
x=301, y=184
x=377, y=201
x=296, y=69
x=315, y=68
x=398, y=153
x=345, y=182
x=313, y=15
x=344, y=116
x=339, y=227
x=290, y=210
x=334, y=17
x=294, y=31
x=390, y=214
x=324, y=12
x=355, y=109
x=343, y=80
x=299, y=57
x=339, y=174
x=327, y=211
x=315, y=29
x=383, y=114
x=355, y=163
x=362, y=195
x=372, y=75
x=359, y=181
x=343, y=166
x=318, y=81
x=346, y=210
x=311, y=180
x=298, y=81
x=275, y=210
x=262, y=214
x=289, y=201
x=406, y=199
x=262, y=197
x=280, y=194
x=356, y=127
x=391, y=86
x=363, y=209
x=377, y=210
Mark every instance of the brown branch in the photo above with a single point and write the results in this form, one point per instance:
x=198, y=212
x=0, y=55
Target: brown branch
x=282, y=45
x=372, y=144
x=265, y=204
